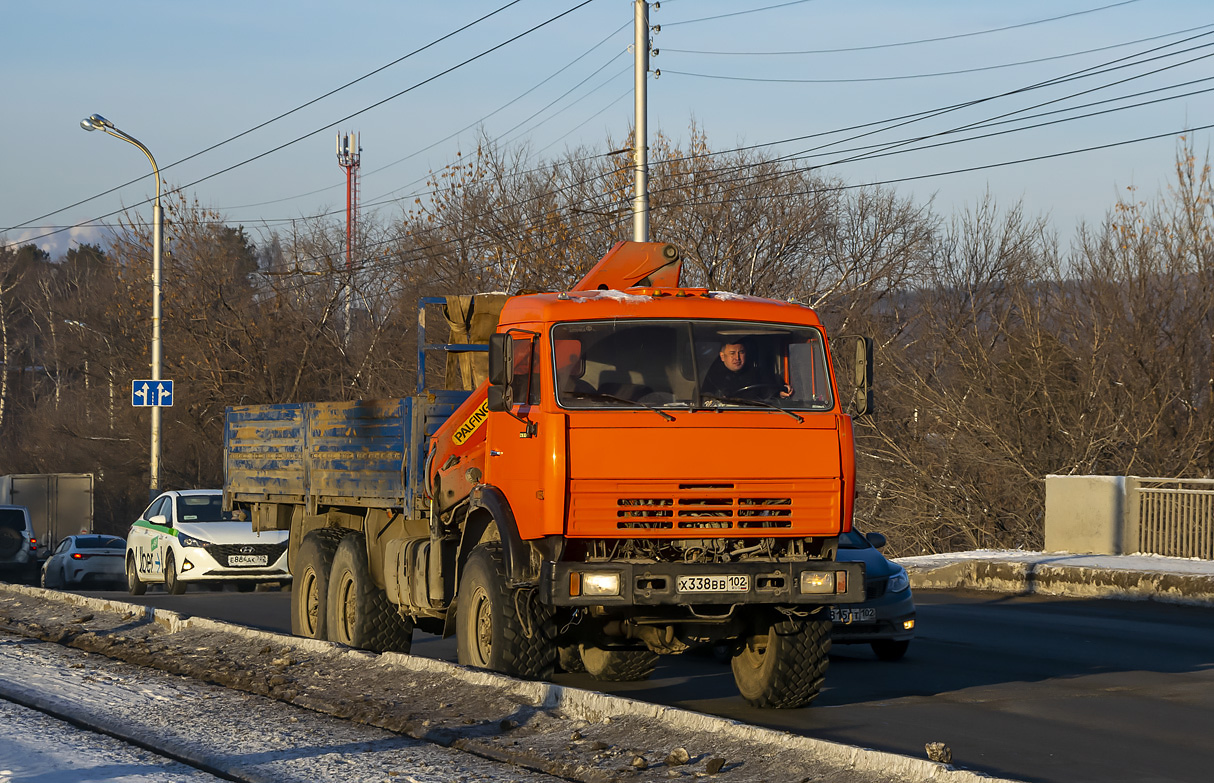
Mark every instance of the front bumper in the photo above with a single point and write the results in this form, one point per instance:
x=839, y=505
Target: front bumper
x=655, y=584
x=892, y=611
x=200, y=565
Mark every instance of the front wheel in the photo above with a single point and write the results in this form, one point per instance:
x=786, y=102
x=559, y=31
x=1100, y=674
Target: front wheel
x=783, y=665
x=360, y=615
x=172, y=580
x=134, y=585
x=499, y=628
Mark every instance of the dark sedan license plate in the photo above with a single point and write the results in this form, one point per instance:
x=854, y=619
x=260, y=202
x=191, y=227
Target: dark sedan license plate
x=246, y=560
x=849, y=616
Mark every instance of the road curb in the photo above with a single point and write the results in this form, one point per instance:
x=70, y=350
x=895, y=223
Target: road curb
x=589, y=706
x=1045, y=578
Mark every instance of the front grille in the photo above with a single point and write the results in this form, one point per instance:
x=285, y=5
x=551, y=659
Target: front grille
x=221, y=551
x=670, y=508
x=700, y=509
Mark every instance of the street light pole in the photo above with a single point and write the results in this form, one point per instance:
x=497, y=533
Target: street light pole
x=97, y=122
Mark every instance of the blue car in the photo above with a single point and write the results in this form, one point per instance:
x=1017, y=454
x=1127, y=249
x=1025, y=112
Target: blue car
x=886, y=618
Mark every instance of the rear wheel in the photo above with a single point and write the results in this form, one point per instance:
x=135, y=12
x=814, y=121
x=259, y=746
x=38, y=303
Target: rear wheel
x=359, y=612
x=313, y=563
x=500, y=628
x=172, y=581
x=890, y=649
x=784, y=664
x=133, y=584
x=618, y=665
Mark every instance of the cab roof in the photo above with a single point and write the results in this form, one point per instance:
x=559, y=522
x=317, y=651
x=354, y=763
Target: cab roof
x=696, y=303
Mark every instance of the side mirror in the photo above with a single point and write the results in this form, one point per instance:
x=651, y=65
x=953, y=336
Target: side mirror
x=862, y=377
x=499, y=399
x=876, y=539
x=159, y=519
x=501, y=354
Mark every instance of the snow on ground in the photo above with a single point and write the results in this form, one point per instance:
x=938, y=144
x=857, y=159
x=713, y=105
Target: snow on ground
x=229, y=730
x=39, y=748
x=1144, y=563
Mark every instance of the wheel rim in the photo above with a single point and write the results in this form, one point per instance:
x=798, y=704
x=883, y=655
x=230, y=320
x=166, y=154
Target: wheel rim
x=132, y=578
x=170, y=574
x=348, y=607
x=753, y=654
x=311, y=602
x=482, y=630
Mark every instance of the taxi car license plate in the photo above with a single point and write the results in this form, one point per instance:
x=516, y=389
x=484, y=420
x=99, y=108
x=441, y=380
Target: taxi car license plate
x=247, y=560
x=849, y=616
x=725, y=583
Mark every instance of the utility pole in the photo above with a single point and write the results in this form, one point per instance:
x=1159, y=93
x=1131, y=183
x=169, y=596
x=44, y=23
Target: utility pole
x=640, y=151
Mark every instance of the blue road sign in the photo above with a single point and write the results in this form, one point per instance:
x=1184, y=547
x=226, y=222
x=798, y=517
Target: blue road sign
x=152, y=394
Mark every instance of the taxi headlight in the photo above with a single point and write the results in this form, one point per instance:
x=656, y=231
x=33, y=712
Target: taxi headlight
x=898, y=582
x=594, y=583
x=190, y=540
x=817, y=582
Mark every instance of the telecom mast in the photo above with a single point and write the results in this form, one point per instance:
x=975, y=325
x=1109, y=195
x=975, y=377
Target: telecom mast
x=349, y=155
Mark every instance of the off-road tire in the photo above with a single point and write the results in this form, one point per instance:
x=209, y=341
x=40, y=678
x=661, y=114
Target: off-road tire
x=360, y=614
x=309, y=599
x=499, y=628
x=172, y=580
x=569, y=658
x=618, y=665
x=783, y=667
x=134, y=585
x=890, y=649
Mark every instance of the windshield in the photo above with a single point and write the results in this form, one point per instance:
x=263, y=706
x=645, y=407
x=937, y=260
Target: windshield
x=690, y=364
x=202, y=508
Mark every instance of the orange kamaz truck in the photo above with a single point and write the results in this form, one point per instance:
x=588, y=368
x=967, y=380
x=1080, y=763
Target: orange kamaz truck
x=648, y=469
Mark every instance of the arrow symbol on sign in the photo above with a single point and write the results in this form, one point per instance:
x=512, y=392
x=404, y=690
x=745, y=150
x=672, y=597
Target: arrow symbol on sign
x=143, y=392
x=162, y=394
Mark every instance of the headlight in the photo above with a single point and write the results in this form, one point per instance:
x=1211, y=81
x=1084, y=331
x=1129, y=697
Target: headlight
x=190, y=540
x=594, y=583
x=898, y=582
x=817, y=582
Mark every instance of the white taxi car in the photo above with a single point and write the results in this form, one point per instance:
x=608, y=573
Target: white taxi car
x=185, y=537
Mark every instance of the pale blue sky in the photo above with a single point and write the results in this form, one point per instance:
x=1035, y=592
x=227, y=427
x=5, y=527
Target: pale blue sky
x=181, y=77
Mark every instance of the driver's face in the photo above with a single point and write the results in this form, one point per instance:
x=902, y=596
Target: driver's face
x=733, y=356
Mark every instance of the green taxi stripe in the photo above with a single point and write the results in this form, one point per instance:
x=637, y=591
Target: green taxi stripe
x=157, y=528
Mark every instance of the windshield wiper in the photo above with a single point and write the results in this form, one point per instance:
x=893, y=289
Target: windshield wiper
x=625, y=400
x=744, y=401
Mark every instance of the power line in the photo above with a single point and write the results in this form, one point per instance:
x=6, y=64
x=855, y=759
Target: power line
x=906, y=43
x=912, y=76
x=274, y=119
x=347, y=117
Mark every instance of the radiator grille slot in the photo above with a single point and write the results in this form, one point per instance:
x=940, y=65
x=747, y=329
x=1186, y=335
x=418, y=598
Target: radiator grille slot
x=701, y=512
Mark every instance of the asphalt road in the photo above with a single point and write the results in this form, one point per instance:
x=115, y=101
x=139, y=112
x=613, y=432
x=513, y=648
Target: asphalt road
x=1037, y=689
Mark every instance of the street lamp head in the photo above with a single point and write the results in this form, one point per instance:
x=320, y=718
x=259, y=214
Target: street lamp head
x=95, y=122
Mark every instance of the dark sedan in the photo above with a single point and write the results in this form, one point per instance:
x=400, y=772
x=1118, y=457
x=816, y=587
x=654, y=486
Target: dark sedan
x=886, y=618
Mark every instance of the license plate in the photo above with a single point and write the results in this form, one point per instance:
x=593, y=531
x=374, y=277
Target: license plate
x=728, y=583
x=247, y=560
x=849, y=616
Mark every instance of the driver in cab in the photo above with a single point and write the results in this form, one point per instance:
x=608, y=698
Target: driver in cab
x=734, y=376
